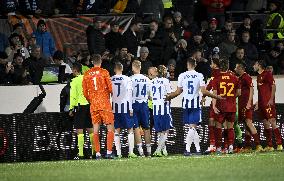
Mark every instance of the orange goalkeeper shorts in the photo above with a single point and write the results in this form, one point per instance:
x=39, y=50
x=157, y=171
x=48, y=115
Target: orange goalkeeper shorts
x=102, y=117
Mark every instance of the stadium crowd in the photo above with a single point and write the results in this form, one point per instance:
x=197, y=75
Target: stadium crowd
x=165, y=41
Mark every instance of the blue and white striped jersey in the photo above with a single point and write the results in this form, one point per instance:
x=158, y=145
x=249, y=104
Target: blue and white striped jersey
x=140, y=87
x=160, y=88
x=121, y=94
x=190, y=82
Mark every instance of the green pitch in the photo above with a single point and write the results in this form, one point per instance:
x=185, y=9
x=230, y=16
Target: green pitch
x=268, y=166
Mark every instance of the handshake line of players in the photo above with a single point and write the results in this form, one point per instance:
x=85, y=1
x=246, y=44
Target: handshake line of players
x=130, y=110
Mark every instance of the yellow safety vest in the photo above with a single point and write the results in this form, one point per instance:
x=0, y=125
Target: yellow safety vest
x=280, y=34
x=168, y=4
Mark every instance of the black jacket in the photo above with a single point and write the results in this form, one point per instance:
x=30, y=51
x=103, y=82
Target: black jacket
x=35, y=68
x=131, y=41
x=212, y=38
x=155, y=47
x=95, y=40
x=145, y=65
x=113, y=41
x=250, y=50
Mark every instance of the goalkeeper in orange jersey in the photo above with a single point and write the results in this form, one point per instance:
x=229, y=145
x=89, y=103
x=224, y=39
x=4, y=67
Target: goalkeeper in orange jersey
x=97, y=88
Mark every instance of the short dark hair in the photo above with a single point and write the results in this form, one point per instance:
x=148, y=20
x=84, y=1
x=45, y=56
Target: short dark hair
x=216, y=61
x=242, y=64
x=224, y=64
x=118, y=66
x=96, y=58
x=77, y=66
x=191, y=61
x=261, y=61
x=161, y=71
x=154, y=21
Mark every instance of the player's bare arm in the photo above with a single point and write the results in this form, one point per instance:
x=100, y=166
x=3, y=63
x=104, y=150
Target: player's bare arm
x=248, y=106
x=214, y=101
x=209, y=94
x=174, y=94
x=271, y=100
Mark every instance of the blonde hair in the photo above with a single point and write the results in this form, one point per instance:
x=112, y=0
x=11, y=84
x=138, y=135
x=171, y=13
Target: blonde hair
x=136, y=64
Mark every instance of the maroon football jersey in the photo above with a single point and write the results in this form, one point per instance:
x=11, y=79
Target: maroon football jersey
x=215, y=73
x=245, y=83
x=265, y=81
x=226, y=85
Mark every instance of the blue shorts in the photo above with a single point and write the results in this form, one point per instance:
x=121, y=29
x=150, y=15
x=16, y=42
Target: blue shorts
x=123, y=121
x=162, y=122
x=192, y=116
x=141, y=115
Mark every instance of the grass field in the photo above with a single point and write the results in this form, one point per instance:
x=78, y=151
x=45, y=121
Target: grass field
x=241, y=167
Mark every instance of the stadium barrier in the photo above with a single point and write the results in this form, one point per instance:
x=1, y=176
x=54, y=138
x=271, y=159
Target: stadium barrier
x=50, y=136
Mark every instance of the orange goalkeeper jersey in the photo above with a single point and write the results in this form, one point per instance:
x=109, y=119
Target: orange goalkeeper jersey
x=97, y=88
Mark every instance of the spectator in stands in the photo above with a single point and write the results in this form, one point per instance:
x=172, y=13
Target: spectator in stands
x=131, y=39
x=272, y=59
x=258, y=36
x=20, y=75
x=35, y=64
x=216, y=9
x=171, y=70
x=95, y=37
x=108, y=63
x=126, y=59
x=211, y=37
x=99, y=6
x=19, y=29
x=8, y=7
x=4, y=67
x=240, y=57
x=178, y=25
x=145, y=60
x=114, y=38
x=169, y=39
x=46, y=7
x=16, y=46
x=250, y=49
x=45, y=40
x=189, y=28
x=245, y=26
x=256, y=5
x=133, y=6
x=31, y=42
x=152, y=39
x=180, y=55
x=197, y=43
x=275, y=20
x=4, y=43
x=229, y=45
x=58, y=60
x=186, y=7
x=228, y=27
x=86, y=64
x=202, y=64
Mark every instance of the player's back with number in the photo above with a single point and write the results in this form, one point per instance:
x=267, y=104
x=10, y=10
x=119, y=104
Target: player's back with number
x=121, y=98
x=160, y=88
x=97, y=88
x=141, y=87
x=226, y=85
x=190, y=82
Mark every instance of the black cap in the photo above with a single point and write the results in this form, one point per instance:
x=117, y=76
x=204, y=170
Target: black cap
x=58, y=55
x=41, y=22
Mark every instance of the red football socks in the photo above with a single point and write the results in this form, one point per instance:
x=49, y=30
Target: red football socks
x=277, y=135
x=212, y=135
x=218, y=132
x=268, y=135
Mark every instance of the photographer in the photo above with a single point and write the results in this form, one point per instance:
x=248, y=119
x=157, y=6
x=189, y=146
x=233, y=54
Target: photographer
x=16, y=46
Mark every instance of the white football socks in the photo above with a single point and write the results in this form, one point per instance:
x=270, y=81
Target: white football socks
x=131, y=142
x=196, y=141
x=189, y=138
x=117, y=144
